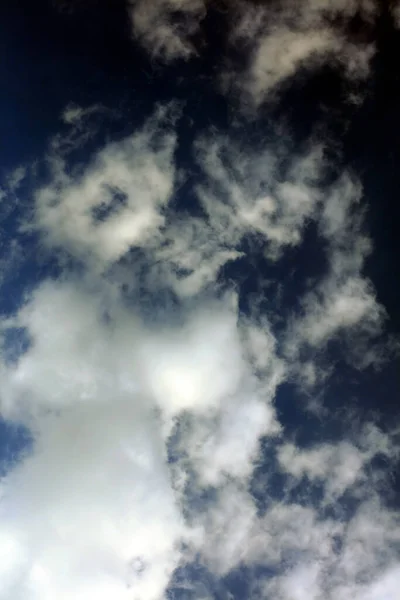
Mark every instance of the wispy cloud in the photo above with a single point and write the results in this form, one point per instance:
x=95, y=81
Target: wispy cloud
x=276, y=41
x=115, y=204
x=166, y=28
x=284, y=39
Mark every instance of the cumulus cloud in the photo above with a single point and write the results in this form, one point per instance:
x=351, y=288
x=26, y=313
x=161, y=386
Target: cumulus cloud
x=92, y=510
x=71, y=511
x=147, y=430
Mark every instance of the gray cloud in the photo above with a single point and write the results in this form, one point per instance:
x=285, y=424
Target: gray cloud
x=282, y=39
x=166, y=27
x=277, y=41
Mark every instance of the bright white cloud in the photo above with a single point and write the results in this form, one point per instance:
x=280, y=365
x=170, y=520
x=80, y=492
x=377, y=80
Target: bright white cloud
x=339, y=307
x=93, y=508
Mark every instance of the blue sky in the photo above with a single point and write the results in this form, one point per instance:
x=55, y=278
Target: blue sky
x=199, y=300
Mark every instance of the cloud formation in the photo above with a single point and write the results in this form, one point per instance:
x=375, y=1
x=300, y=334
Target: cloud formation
x=285, y=39
x=151, y=392
x=267, y=45
x=166, y=28
x=116, y=204
x=146, y=434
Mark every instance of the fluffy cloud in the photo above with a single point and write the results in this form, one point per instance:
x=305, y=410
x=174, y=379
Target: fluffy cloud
x=148, y=426
x=92, y=510
x=116, y=204
x=121, y=201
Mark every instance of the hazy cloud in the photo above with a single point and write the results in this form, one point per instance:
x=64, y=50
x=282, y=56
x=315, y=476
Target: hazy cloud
x=281, y=39
x=166, y=27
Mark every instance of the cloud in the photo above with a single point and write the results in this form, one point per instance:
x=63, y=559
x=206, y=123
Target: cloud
x=395, y=12
x=90, y=513
x=266, y=45
x=115, y=204
x=150, y=423
x=343, y=304
x=254, y=202
x=122, y=201
x=307, y=557
x=281, y=40
x=342, y=307
x=92, y=510
x=340, y=467
x=166, y=28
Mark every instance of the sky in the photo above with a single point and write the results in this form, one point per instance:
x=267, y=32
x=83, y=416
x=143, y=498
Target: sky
x=199, y=322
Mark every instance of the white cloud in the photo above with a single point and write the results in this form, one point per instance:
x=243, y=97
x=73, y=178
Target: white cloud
x=339, y=307
x=116, y=204
x=340, y=466
x=280, y=55
x=300, y=584
x=342, y=303
x=386, y=588
x=91, y=510
x=188, y=371
x=365, y=565
x=94, y=498
x=121, y=201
